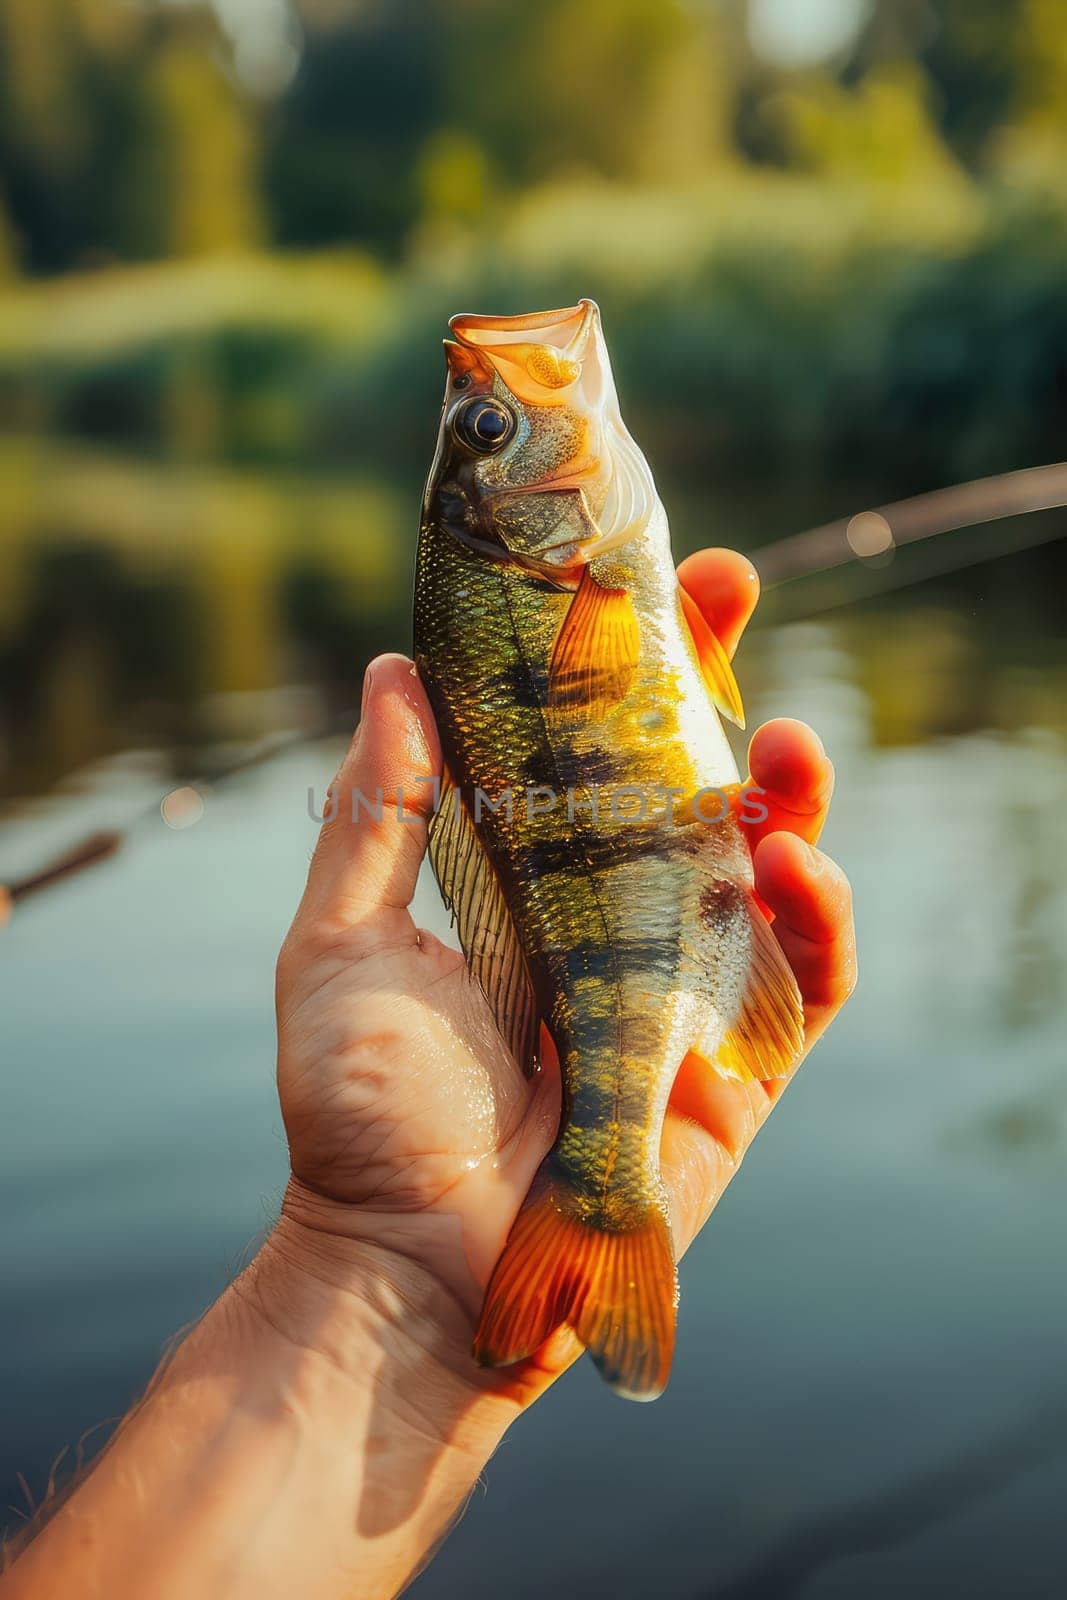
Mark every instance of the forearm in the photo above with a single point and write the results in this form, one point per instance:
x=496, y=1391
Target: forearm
x=312, y=1435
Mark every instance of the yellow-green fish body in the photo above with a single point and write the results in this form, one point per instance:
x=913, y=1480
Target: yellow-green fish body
x=599, y=880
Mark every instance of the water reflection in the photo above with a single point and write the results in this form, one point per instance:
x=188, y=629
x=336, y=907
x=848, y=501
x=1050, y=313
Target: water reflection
x=849, y=1393
x=159, y=603
x=142, y=601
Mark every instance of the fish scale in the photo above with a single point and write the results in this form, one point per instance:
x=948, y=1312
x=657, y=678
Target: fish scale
x=557, y=656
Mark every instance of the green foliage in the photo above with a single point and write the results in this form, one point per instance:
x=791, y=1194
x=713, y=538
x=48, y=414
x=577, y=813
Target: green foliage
x=824, y=287
x=881, y=357
x=127, y=132
x=116, y=122
x=853, y=266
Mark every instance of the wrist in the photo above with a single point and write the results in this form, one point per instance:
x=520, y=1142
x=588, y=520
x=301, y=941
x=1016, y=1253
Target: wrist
x=382, y=1322
x=313, y=1435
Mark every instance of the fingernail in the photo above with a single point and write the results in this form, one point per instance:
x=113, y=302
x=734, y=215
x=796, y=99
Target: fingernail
x=813, y=859
x=368, y=681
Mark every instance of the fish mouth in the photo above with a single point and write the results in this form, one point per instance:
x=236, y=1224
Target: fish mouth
x=567, y=329
x=538, y=355
x=559, y=357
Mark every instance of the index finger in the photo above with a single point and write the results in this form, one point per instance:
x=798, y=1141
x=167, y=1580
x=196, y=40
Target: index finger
x=725, y=585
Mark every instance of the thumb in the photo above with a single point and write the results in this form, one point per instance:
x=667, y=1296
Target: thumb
x=373, y=836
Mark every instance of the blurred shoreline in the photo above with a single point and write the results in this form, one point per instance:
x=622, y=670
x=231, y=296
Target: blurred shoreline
x=828, y=239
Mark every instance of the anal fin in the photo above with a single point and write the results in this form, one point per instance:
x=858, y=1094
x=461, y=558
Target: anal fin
x=767, y=1036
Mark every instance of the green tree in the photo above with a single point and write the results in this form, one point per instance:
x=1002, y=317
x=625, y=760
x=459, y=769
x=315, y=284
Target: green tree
x=881, y=131
x=970, y=51
x=207, y=153
x=1033, y=143
x=120, y=134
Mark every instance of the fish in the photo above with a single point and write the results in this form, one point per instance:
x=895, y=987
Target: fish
x=587, y=836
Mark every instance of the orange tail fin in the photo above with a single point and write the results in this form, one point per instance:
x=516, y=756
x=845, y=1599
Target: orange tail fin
x=617, y=1290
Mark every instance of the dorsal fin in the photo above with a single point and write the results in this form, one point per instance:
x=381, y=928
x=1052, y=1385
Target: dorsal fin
x=472, y=893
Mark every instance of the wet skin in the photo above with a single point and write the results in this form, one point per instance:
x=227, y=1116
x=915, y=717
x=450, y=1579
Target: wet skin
x=411, y=1130
x=319, y=1429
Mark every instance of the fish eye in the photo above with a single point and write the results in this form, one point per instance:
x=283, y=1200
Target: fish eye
x=484, y=425
x=462, y=381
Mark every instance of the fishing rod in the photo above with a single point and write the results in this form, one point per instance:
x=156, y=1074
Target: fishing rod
x=178, y=808
x=877, y=532
x=864, y=539
x=938, y=564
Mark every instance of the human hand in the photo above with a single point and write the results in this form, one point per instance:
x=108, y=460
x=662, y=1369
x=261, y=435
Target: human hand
x=413, y=1135
x=322, y=1424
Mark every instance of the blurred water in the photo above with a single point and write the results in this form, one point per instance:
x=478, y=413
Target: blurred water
x=868, y=1396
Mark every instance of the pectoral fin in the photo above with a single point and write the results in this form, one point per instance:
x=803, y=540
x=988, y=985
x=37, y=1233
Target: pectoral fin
x=596, y=651
x=714, y=662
